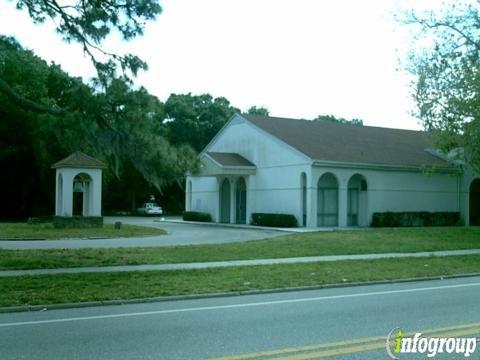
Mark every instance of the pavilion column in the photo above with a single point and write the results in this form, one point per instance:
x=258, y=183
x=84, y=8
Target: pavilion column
x=87, y=191
x=67, y=194
x=96, y=194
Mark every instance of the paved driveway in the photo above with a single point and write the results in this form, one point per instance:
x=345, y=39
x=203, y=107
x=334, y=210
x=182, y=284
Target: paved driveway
x=178, y=234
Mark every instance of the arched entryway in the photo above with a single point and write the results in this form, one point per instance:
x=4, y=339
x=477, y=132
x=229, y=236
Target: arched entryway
x=474, y=201
x=357, y=201
x=303, y=197
x=81, y=194
x=241, y=201
x=327, y=200
x=225, y=201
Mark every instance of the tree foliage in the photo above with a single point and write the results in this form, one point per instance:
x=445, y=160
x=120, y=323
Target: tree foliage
x=195, y=119
x=446, y=65
x=120, y=125
x=89, y=22
x=331, y=118
x=258, y=110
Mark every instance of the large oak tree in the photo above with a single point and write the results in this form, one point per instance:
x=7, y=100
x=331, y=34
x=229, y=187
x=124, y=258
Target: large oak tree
x=446, y=65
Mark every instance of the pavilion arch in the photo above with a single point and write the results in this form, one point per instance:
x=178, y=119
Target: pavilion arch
x=225, y=201
x=357, y=201
x=474, y=202
x=241, y=201
x=327, y=200
x=303, y=198
x=82, y=194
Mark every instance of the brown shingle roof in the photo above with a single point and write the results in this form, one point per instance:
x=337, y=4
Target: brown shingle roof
x=322, y=140
x=81, y=160
x=229, y=159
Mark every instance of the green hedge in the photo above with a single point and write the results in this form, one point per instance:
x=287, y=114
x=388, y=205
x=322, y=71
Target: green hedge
x=274, y=220
x=78, y=221
x=196, y=216
x=420, y=218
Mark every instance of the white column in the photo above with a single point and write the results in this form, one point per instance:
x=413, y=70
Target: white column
x=58, y=193
x=96, y=190
x=342, y=205
x=67, y=194
x=312, y=197
x=232, y=200
x=188, y=194
x=216, y=214
x=86, y=211
x=250, y=198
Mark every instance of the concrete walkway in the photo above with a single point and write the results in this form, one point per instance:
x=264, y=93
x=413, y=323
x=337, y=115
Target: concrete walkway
x=220, y=264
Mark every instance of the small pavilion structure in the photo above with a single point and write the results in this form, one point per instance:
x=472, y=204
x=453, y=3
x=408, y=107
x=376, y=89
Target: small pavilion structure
x=78, y=187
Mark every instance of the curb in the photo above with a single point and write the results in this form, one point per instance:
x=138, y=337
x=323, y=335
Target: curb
x=27, y=308
x=235, y=226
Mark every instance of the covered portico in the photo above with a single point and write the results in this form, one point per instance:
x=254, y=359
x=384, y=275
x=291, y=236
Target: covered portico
x=232, y=173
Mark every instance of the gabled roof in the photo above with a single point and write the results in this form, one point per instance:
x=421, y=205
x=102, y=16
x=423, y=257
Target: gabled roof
x=327, y=141
x=79, y=160
x=230, y=159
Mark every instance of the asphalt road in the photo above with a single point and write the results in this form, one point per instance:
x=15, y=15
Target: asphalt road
x=178, y=234
x=222, y=327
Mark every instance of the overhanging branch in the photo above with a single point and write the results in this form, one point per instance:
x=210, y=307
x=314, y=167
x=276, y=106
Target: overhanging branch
x=28, y=104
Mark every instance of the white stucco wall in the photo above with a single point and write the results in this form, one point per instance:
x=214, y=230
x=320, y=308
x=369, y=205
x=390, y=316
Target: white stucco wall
x=259, y=147
x=64, y=195
x=204, y=196
x=397, y=190
x=276, y=185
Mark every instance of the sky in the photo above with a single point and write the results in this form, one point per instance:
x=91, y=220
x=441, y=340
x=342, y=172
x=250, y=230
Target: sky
x=299, y=59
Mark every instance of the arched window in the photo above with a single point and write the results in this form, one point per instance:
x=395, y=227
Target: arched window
x=327, y=201
x=81, y=194
x=225, y=201
x=241, y=201
x=357, y=201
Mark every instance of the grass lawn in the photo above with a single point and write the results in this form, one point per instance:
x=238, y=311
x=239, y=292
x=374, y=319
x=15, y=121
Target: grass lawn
x=50, y=289
x=307, y=244
x=47, y=231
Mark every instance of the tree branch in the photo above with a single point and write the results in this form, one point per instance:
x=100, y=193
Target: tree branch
x=26, y=103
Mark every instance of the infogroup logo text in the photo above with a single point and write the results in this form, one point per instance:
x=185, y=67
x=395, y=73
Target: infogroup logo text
x=398, y=344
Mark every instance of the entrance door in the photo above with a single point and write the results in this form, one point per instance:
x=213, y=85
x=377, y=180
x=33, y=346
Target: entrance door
x=225, y=201
x=241, y=202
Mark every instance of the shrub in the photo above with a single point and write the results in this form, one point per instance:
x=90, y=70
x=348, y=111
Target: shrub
x=274, y=220
x=33, y=221
x=196, y=216
x=419, y=218
x=78, y=221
